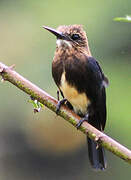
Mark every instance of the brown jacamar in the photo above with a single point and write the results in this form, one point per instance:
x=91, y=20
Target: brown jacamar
x=81, y=82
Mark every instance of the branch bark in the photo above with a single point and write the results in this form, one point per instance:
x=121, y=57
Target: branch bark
x=8, y=74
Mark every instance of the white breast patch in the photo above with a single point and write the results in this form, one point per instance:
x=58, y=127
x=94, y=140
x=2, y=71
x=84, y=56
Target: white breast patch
x=79, y=101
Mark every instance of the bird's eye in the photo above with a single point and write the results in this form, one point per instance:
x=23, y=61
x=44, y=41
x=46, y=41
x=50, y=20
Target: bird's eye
x=75, y=36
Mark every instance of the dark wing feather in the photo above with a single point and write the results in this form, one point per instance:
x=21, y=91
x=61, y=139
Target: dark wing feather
x=96, y=91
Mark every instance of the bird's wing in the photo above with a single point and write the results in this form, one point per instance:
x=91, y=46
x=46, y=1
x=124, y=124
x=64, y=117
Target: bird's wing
x=95, y=90
x=105, y=79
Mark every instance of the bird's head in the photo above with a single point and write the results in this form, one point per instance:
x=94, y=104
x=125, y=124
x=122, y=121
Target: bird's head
x=72, y=36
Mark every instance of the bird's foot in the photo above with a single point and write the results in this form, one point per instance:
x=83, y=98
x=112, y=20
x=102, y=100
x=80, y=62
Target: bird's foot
x=60, y=103
x=82, y=120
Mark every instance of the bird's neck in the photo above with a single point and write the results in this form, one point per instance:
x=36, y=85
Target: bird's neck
x=65, y=52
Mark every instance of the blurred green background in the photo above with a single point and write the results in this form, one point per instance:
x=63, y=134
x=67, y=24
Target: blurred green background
x=42, y=146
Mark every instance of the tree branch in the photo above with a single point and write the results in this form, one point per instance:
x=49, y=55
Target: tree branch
x=8, y=74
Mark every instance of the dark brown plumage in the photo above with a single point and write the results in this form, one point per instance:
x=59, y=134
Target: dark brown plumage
x=81, y=82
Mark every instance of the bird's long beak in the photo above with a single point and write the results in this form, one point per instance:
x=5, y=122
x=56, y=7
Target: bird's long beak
x=58, y=34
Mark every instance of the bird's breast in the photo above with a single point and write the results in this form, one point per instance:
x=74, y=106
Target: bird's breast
x=78, y=100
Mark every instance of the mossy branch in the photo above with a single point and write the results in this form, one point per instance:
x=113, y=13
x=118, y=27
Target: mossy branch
x=8, y=74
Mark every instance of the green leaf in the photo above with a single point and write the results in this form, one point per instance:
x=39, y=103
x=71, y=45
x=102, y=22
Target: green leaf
x=123, y=19
x=36, y=105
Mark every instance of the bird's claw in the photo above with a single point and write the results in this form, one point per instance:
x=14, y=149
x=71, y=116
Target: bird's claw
x=81, y=121
x=59, y=104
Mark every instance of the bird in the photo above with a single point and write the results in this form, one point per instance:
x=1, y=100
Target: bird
x=81, y=82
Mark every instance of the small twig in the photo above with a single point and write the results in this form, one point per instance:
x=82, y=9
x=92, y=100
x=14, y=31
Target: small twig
x=8, y=74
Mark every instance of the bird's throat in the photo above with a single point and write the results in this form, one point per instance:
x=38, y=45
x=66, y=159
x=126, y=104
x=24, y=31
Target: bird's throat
x=63, y=43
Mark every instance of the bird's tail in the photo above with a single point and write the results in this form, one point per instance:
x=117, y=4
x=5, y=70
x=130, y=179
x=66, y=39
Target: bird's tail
x=96, y=155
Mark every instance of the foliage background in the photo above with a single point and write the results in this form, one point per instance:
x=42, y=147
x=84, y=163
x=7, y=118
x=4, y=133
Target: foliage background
x=43, y=146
